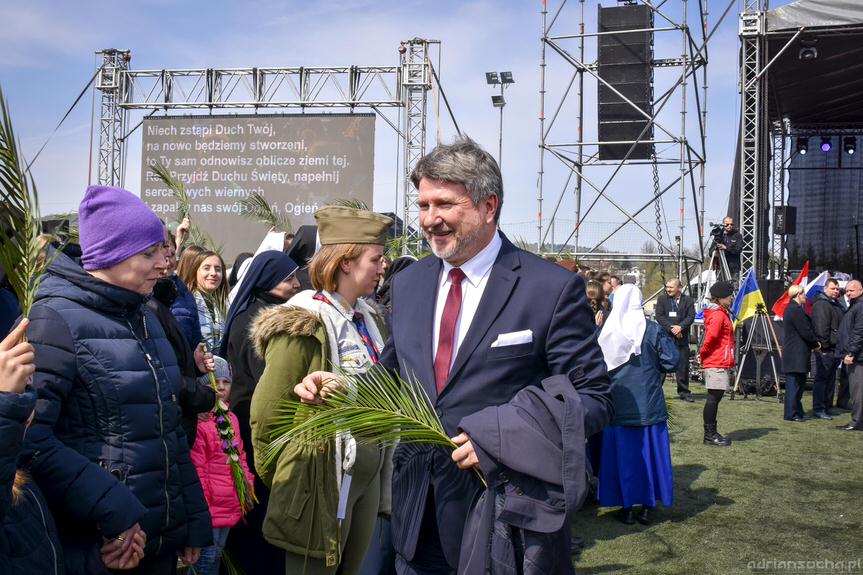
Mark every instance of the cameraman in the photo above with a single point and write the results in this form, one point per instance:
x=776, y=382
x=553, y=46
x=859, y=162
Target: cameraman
x=730, y=241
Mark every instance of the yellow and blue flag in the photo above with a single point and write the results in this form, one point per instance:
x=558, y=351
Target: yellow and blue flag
x=747, y=299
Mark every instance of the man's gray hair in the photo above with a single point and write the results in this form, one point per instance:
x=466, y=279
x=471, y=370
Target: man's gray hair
x=463, y=162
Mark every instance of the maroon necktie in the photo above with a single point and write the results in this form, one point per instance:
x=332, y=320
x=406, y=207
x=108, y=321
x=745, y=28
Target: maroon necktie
x=446, y=337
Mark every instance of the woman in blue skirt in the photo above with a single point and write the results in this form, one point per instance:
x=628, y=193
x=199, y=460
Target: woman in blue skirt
x=635, y=464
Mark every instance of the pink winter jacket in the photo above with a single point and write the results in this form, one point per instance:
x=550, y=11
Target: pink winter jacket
x=215, y=473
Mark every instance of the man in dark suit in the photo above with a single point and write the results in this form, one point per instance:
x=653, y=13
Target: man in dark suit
x=827, y=312
x=675, y=311
x=475, y=324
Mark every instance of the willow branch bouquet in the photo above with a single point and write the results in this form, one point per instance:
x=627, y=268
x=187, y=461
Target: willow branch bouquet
x=377, y=408
x=231, y=447
x=22, y=254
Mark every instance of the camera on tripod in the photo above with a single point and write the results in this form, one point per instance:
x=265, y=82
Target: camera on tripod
x=716, y=230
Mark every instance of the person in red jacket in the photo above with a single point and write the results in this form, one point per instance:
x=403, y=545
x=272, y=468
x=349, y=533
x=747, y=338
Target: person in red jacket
x=717, y=357
x=211, y=462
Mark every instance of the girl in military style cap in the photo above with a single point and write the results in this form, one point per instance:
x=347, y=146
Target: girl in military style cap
x=324, y=501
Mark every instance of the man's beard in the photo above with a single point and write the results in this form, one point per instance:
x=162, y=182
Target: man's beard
x=460, y=244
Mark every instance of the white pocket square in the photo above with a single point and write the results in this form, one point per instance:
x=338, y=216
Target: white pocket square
x=513, y=338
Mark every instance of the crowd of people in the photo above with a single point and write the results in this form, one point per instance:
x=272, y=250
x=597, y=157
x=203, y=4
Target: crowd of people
x=113, y=456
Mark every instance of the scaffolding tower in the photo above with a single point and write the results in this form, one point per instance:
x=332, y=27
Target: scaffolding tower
x=681, y=154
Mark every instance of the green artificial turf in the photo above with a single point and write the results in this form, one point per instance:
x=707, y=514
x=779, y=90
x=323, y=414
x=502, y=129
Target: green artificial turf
x=782, y=491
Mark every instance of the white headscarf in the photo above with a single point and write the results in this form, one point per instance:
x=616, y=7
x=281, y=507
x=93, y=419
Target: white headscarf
x=273, y=241
x=623, y=331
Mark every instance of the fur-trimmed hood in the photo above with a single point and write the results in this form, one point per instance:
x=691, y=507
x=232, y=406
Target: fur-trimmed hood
x=275, y=320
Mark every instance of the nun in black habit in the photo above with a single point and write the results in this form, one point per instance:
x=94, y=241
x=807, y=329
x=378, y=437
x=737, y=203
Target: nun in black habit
x=270, y=280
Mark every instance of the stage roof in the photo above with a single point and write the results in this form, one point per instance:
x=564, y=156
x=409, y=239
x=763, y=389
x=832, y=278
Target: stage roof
x=815, y=14
x=825, y=91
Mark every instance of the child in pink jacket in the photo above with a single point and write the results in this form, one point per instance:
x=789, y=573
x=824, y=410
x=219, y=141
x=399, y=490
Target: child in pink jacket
x=211, y=462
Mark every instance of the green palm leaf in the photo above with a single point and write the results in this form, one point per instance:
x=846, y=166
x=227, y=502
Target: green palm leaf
x=351, y=203
x=177, y=188
x=377, y=408
x=20, y=225
x=257, y=208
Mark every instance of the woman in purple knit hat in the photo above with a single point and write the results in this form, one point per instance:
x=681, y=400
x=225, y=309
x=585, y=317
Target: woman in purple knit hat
x=106, y=444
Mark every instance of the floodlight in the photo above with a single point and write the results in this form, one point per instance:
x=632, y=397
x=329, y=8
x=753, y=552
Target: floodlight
x=491, y=78
x=802, y=146
x=849, y=144
x=826, y=144
x=506, y=78
x=498, y=101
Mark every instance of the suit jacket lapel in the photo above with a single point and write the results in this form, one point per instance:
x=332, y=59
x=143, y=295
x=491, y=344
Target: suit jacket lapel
x=500, y=284
x=424, y=294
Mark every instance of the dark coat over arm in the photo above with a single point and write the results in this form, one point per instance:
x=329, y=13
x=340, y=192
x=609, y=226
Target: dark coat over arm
x=532, y=453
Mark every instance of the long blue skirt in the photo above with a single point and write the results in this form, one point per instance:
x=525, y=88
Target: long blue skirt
x=635, y=466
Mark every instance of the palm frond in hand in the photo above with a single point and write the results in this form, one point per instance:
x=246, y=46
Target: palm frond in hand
x=177, y=188
x=377, y=408
x=216, y=303
x=20, y=224
x=257, y=208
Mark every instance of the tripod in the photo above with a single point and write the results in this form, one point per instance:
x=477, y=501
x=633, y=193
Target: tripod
x=760, y=321
x=719, y=263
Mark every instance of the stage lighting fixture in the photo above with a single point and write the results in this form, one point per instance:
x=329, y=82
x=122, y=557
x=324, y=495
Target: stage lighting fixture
x=849, y=144
x=808, y=51
x=826, y=144
x=498, y=101
x=491, y=78
x=802, y=146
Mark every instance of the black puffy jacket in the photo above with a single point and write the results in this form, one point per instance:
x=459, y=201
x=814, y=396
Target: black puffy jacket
x=193, y=397
x=28, y=537
x=106, y=443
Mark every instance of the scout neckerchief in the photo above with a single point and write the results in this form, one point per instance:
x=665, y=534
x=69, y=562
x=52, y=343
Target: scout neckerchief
x=360, y=324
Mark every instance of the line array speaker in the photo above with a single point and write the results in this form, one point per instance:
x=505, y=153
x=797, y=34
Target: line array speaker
x=784, y=220
x=624, y=60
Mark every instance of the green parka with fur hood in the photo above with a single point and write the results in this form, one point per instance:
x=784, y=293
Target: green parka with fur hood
x=301, y=514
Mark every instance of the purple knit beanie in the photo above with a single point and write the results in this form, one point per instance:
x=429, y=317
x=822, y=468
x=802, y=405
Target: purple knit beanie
x=113, y=226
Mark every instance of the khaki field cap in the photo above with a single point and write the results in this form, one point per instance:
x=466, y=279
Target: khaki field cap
x=343, y=225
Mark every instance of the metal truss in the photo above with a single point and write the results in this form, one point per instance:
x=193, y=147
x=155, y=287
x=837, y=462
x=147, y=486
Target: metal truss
x=211, y=89
x=688, y=153
x=777, y=246
x=113, y=83
x=753, y=135
x=416, y=82
x=226, y=88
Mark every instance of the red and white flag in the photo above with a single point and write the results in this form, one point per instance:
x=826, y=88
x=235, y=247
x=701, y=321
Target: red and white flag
x=782, y=303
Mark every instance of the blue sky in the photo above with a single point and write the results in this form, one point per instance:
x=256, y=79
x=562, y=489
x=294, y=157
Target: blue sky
x=47, y=56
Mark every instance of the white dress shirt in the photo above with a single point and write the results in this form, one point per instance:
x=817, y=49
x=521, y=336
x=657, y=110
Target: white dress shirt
x=476, y=271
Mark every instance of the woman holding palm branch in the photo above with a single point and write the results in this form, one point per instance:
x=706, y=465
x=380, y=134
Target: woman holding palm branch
x=324, y=500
